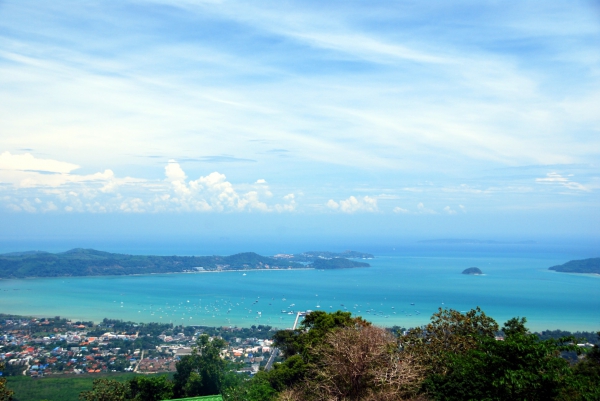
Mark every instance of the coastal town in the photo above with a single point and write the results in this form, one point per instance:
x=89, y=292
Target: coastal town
x=39, y=347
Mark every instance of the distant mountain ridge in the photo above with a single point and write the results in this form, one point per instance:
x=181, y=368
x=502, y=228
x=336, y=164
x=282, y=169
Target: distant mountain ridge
x=473, y=241
x=91, y=262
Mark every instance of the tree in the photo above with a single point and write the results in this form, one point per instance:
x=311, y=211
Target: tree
x=5, y=393
x=150, y=388
x=449, y=333
x=359, y=363
x=586, y=381
x=105, y=390
x=519, y=368
x=295, y=345
x=202, y=372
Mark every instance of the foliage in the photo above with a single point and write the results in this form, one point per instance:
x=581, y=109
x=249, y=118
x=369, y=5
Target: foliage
x=150, y=388
x=5, y=393
x=519, y=368
x=202, y=372
x=359, y=363
x=581, y=336
x=105, y=390
x=255, y=389
x=449, y=333
x=586, y=384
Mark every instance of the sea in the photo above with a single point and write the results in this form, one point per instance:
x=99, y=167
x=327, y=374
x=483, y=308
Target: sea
x=406, y=283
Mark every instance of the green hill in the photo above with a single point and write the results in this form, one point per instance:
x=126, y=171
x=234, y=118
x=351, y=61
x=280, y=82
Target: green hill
x=90, y=262
x=591, y=265
x=337, y=263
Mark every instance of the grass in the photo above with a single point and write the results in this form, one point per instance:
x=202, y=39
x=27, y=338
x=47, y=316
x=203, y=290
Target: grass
x=56, y=388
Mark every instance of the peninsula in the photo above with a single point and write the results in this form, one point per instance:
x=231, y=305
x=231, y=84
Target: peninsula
x=90, y=262
x=590, y=266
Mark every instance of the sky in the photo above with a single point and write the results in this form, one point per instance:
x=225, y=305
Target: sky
x=286, y=120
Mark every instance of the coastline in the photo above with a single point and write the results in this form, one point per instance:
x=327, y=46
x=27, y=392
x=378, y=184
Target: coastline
x=155, y=274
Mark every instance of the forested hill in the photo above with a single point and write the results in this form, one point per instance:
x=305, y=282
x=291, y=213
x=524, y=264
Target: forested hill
x=89, y=262
x=337, y=263
x=591, y=265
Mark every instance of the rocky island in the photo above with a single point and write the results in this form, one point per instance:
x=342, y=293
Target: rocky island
x=589, y=266
x=473, y=271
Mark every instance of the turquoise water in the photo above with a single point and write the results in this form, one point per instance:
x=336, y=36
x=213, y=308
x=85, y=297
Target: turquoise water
x=514, y=284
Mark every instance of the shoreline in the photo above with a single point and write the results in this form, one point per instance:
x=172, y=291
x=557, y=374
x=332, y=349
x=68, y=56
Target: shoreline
x=153, y=274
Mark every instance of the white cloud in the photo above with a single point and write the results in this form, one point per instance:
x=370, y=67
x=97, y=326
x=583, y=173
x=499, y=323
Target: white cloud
x=104, y=192
x=555, y=178
x=423, y=210
x=332, y=204
x=290, y=206
x=449, y=210
x=398, y=209
x=352, y=204
x=27, y=162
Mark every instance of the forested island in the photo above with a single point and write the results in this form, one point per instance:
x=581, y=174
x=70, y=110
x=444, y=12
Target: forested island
x=473, y=271
x=90, y=262
x=591, y=265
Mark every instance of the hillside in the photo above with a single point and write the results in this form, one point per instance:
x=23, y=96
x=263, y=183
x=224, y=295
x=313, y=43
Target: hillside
x=591, y=265
x=337, y=263
x=90, y=262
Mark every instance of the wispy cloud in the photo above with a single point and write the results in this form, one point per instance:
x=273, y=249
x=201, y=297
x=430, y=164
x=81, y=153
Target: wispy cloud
x=353, y=205
x=555, y=178
x=315, y=98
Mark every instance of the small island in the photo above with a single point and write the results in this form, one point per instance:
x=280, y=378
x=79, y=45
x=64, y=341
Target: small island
x=586, y=266
x=473, y=271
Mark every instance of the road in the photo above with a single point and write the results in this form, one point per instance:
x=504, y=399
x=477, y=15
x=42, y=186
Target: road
x=274, y=354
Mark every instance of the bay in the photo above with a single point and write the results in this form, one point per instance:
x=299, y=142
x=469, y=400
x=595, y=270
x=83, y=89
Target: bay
x=400, y=288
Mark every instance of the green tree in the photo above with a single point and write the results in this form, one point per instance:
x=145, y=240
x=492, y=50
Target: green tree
x=255, y=389
x=449, y=333
x=5, y=393
x=296, y=345
x=586, y=381
x=519, y=368
x=105, y=390
x=202, y=372
x=150, y=388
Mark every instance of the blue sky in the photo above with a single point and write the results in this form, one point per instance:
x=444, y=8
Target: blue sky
x=425, y=119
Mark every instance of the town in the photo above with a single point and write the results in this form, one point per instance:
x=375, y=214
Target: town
x=39, y=347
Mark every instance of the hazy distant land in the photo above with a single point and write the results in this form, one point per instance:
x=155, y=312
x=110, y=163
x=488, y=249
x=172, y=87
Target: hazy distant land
x=463, y=241
x=90, y=262
x=590, y=266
